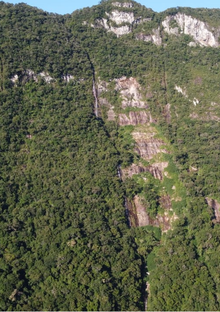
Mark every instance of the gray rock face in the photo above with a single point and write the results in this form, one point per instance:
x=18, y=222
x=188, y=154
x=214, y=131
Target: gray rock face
x=155, y=37
x=188, y=25
x=119, y=22
x=135, y=118
x=147, y=147
x=130, y=89
x=123, y=5
x=131, y=170
x=157, y=169
x=121, y=17
x=139, y=216
x=215, y=206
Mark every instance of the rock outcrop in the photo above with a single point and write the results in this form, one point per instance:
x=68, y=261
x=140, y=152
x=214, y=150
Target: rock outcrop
x=215, y=206
x=157, y=169
x=130, y=89
x=123, y=5
x=120, y=17
x=139, y=217
x=135, y=118
x=155, y=37
x=29, y=74
x=119, y=22
x=133, y=169
x=200, y=31
x=147, y=146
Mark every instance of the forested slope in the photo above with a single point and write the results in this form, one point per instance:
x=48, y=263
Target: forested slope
x=114, y=207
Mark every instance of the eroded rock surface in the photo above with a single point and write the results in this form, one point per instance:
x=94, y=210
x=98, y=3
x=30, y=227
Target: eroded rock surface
x=157, y=169
x=123, y=5
x=133, y=169
x=139, y=216
x=147, y=146
x=130, y=89
x=120, y=17
x=135, y=118
x=200, y=31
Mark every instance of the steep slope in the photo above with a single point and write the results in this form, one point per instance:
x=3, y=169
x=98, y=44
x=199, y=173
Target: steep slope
x=109, y=158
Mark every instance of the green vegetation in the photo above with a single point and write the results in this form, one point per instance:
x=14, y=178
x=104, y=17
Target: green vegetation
x=65, y=239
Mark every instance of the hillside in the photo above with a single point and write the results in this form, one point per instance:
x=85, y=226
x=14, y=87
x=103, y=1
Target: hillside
x=110, y=158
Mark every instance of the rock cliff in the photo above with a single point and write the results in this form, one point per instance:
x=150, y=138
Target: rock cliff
x=130, y=91
x=147, y=146
x=135, y=118
x=200, y=31
x=139, y=216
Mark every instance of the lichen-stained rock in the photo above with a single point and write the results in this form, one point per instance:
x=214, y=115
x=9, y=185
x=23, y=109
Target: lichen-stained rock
x=130, y=89
x=135, y=118
x=199, y=30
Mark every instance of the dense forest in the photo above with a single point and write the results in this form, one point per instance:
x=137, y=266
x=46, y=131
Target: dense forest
x=109, y=159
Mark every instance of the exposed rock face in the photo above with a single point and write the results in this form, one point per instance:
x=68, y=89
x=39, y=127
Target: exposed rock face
x=46, y=77
x=147, y=149
x=130, y=91
x=180, y=90
x=119, y=31
x=143, y=218
x=155, y=37
x=135, y=118
x=120, y=17
x=215, y=206
x=147, y=146
x=68, y=77
x=193, y=27
x=139, y=216
x=157, y=169
x=29, y=74
x=133, y=169
x=123, y=5
x=14, y=79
